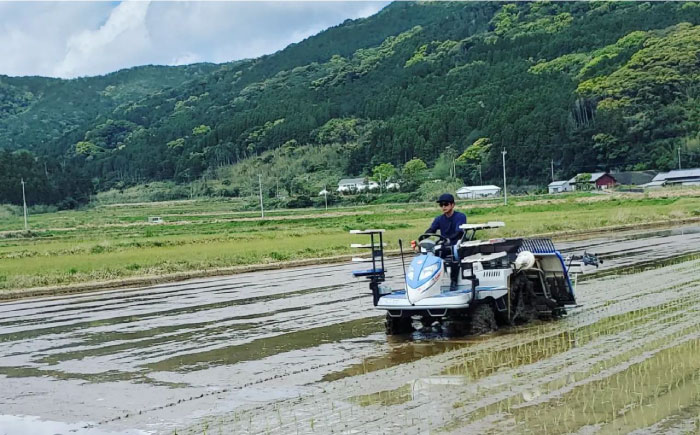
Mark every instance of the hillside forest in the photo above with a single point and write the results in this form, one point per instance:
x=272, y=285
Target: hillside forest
x=419, y=91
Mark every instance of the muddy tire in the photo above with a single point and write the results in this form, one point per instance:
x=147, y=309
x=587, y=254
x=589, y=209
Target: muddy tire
x=514, y=309
x=456, y=325
x=520, y=308
x=427, y=321
x=525, y=306
x=482, y=319
x=398, y=325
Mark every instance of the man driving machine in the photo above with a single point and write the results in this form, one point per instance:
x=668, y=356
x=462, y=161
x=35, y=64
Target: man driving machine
x=448, y=224
x=449, y=221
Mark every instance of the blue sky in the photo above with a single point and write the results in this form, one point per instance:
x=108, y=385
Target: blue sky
x=72, y=39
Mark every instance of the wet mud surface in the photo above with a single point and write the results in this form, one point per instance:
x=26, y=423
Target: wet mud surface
x=303, y=351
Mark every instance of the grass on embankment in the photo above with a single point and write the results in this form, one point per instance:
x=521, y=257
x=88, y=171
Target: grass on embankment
x=107, y=243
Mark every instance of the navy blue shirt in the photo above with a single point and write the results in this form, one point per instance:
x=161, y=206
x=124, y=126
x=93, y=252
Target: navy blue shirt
x=449, y=226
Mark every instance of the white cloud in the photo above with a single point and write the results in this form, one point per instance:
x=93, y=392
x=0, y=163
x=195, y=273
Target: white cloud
x=122, y=40
x=67, y=39
x=185, y=59
x=224, y=31
x=33, y=35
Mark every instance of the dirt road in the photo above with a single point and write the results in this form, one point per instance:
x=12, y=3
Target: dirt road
x=302, y=351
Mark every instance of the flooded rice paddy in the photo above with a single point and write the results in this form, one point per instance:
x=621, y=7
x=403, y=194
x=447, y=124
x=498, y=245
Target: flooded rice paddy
x=303, y=351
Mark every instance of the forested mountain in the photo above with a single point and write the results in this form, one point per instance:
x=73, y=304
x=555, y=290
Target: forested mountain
x=589, y=85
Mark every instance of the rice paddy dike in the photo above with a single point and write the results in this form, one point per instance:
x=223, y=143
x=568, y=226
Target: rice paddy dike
x=109, y=246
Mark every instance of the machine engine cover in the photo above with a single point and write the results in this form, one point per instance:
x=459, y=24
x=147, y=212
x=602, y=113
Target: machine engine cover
x=423, y=276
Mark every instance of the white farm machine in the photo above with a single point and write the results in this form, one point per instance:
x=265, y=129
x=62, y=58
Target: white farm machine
x=474, y=285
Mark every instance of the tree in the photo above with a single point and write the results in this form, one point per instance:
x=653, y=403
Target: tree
x=445, y=165
x=414, y=173
x=474, y=154
x=383, y=172
x=86, y=148
x=202, y=129
x=337, y=131
x=470, y=161
x=608, y=148
x=583, y=181
x=442, y=168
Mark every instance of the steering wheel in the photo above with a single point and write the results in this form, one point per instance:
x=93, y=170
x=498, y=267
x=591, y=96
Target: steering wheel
x=441, y=240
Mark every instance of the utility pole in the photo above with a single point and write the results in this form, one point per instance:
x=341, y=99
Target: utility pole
x=454, y=169
x=505, y=191
x=262, y=210
x=24, y=200
x=481, y=180
x=679, y=158
x=552, y=169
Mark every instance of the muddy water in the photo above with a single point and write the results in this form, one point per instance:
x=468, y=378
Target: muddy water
x=302, y=351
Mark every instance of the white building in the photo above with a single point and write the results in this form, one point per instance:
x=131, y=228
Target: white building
x=372, y=185
x=678, y=177
x=349, y=185
x=472, y=192
x=560, y=186
x=654, y=184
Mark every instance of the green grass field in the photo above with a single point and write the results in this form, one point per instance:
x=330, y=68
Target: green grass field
x=115, y=241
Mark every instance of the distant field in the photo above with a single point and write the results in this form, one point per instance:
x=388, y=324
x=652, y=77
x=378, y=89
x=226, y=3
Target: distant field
x=112, y=241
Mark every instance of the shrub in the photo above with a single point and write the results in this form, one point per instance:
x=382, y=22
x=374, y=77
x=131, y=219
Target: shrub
x=390, y=198
x=9, y=210
x=430, y=191
x=300, y=201
x=42, y=208
x=68, y=204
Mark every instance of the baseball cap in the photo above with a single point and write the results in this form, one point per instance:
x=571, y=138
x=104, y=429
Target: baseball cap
x=446, y=197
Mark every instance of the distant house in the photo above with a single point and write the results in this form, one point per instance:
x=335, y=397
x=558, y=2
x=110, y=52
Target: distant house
x=560, y=186
x=634, y=178
x=654, y=184
x=350, y=185
x=472, y=192
x=678, y=177
x=599, y=180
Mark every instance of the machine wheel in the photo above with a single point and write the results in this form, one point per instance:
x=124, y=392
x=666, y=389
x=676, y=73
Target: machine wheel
x=457, y=324
x=521, y=309
x=482, y=319
x=427, y=321
x=398, y=325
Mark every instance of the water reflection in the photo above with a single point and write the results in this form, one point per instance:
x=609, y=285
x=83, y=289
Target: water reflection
x=27, y=424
